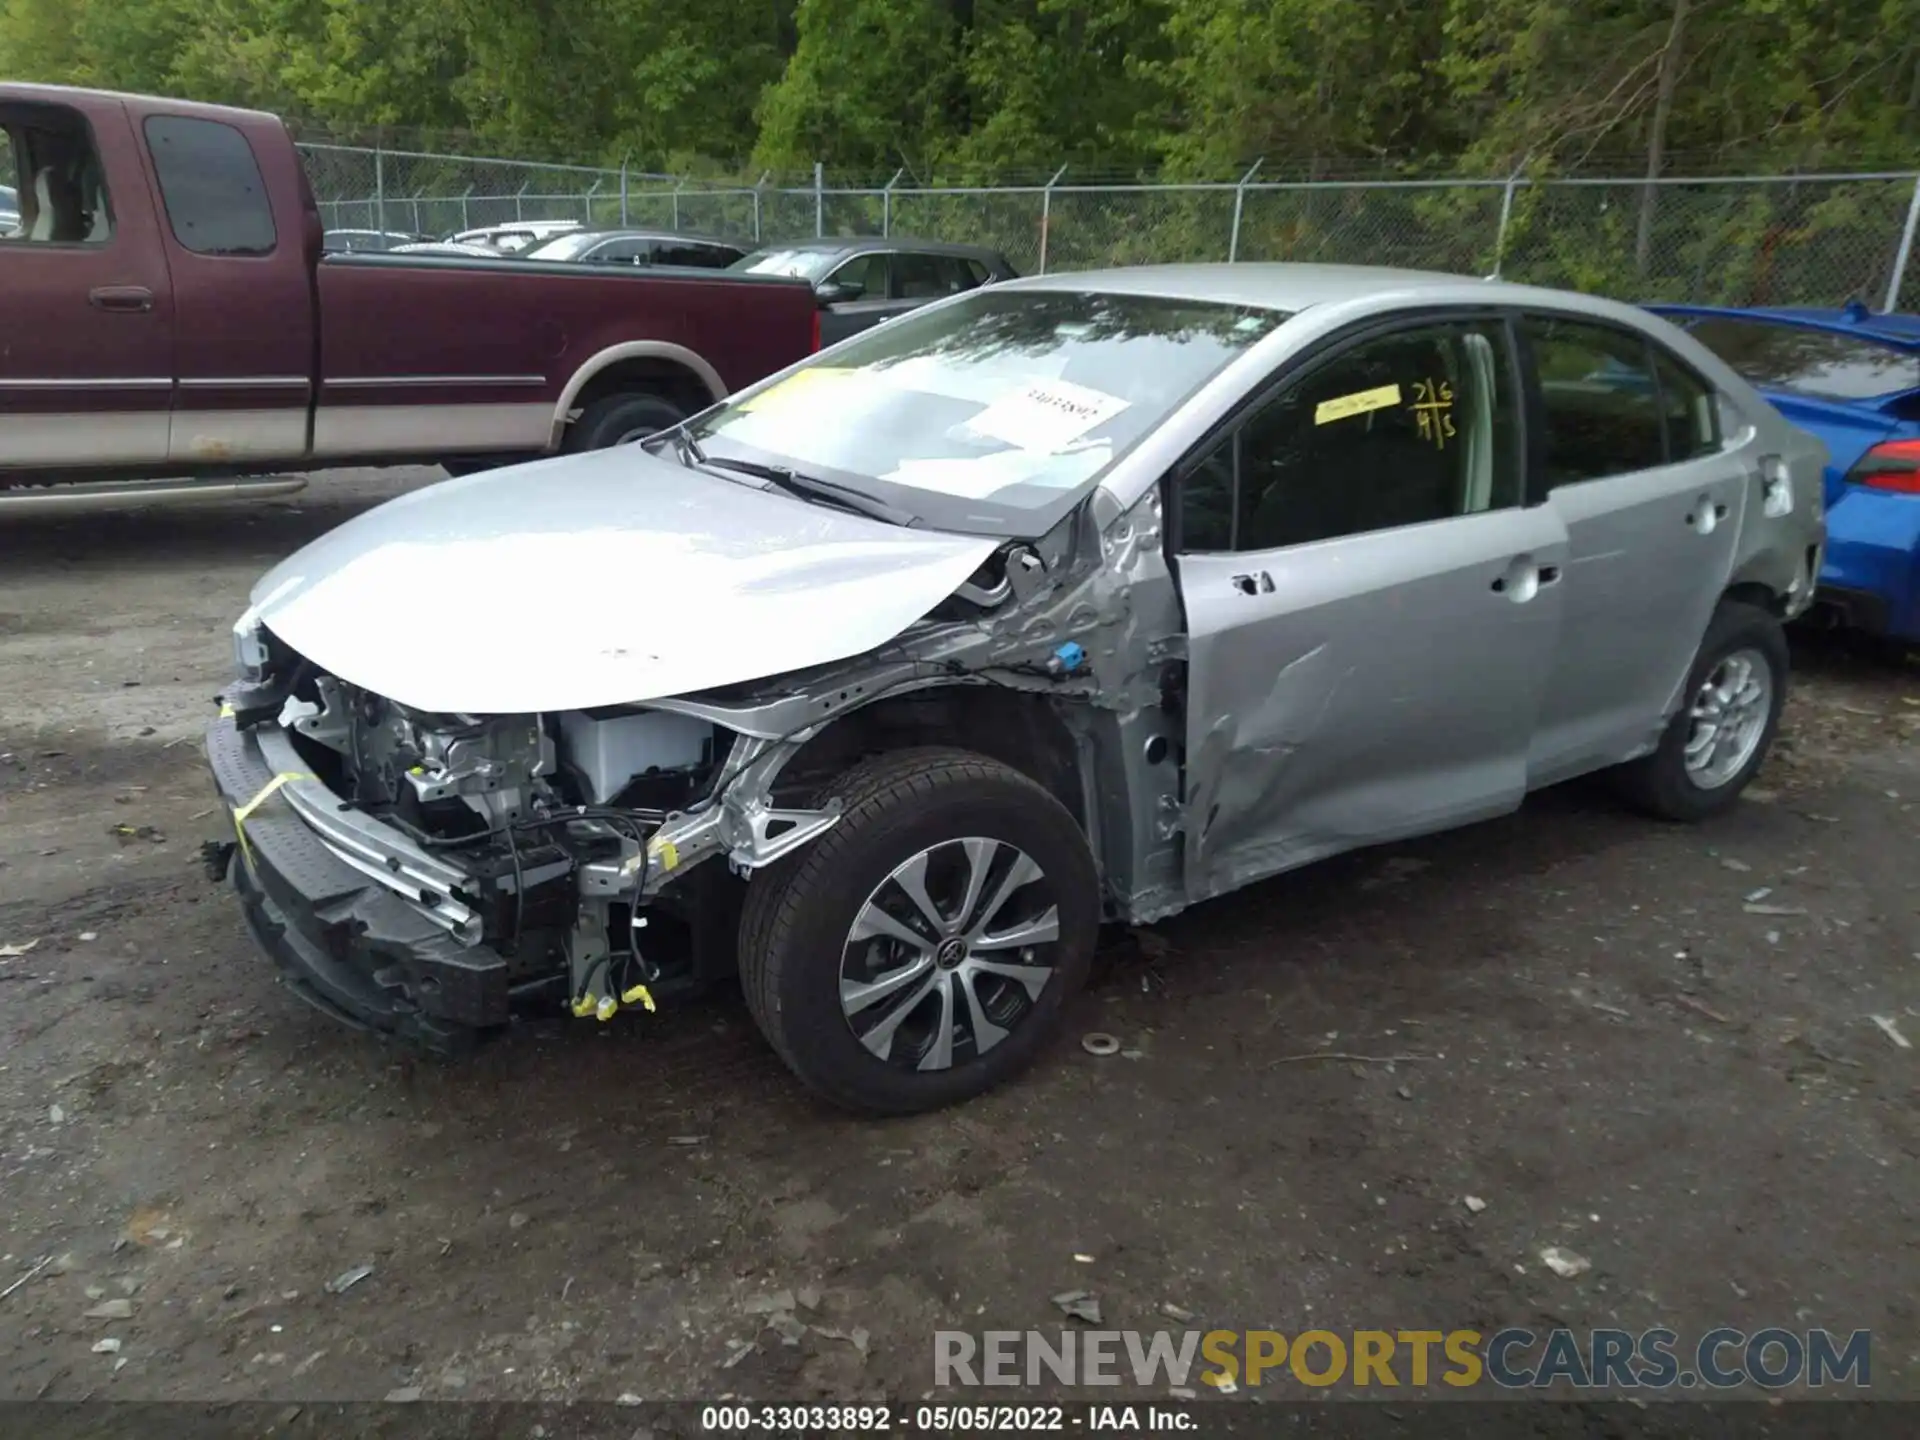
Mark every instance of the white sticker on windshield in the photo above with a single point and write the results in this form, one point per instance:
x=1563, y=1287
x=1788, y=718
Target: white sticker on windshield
x=1046, y=415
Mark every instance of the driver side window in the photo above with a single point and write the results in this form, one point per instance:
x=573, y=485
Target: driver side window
x=1415, y=426
x=869, y=272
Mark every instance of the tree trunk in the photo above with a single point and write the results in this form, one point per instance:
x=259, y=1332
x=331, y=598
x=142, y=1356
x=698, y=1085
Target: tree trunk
x=1669, y=74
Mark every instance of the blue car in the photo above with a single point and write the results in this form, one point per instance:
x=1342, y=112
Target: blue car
x=1852, y=378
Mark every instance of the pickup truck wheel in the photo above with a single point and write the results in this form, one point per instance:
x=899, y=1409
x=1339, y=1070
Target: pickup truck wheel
x=1726, y=721
x=921, y=951
x=621, y=418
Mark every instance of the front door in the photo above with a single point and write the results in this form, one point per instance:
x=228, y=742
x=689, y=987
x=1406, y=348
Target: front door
x=871, y=300
x=1370, y=607
x=1651, y=494
x=86, y=304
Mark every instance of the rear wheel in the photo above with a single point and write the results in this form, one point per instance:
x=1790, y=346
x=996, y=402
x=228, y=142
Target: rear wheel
x=621, y=418
x=1726, y=721
x=922, y=951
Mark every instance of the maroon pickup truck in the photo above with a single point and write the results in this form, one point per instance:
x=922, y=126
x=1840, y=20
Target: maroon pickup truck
x=169, y=312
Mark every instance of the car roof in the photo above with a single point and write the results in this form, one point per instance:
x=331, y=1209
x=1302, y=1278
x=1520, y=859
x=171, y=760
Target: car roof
x=1890, y=328
x=836, y=244
x=557, y=225
x=638, y=232
x=1291, y=287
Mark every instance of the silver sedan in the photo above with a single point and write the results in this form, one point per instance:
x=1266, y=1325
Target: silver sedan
x=882, y=683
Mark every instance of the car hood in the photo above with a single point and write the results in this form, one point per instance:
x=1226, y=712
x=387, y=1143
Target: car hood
x=599, y=579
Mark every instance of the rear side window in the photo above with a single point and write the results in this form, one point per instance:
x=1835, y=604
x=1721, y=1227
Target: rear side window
x=210, y=183
x=707, y=257
x=1601, y=400
x=1809, y=362
x=1691, y=412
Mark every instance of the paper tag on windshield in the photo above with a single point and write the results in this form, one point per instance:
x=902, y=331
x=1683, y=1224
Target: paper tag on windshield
x=1046, y=415
x=801, y=386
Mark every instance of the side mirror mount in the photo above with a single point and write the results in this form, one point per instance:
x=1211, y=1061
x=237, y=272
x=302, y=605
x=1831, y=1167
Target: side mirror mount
x=833, y=292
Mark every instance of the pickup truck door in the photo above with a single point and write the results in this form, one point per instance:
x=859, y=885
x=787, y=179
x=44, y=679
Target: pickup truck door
x=235, y=215
x=86, y=305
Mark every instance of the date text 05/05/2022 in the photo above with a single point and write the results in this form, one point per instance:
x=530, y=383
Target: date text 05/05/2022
x=944, y=1419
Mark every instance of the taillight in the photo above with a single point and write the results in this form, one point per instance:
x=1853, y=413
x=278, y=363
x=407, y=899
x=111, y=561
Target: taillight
x=1894, y=465
x=816, y=328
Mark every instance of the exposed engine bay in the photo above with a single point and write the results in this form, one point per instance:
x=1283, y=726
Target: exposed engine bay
x=574, y=845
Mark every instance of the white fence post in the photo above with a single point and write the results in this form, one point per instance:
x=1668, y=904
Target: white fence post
x=819, y=199
x=623, y=188
x=1905, y=251
x=758, y=187
x=379, y=191
x=1239, y=206
x=1046, y=215
x=586, y=201
x=886, y=202
x=1506, y=214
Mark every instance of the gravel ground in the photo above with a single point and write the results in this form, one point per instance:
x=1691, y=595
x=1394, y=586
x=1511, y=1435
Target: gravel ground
x=1598, y=1036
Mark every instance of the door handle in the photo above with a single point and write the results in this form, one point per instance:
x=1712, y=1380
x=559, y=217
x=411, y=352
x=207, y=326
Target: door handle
x=1259, y=584
x=124, y=299
x=1705, y=516
x=1522, y=579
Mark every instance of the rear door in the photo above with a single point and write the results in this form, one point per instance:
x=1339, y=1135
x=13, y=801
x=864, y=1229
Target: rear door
x=1632, y=460
x=86, y=302
x=243, y=289
x=1371, y=609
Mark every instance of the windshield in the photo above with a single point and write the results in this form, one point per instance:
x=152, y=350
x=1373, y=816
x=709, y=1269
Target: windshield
x=794, y=264
x=992, y=414
x=563, y=247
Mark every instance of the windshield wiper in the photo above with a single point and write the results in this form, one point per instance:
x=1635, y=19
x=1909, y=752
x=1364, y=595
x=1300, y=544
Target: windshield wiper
x=812, y=487
x=686, y=447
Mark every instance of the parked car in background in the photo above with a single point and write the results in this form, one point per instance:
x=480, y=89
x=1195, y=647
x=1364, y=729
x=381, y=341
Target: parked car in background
x=636, y=247
x=446, y=247
x=511, y=238
x=1852, y=378
x=186, y=322
x=1101, y=595
x=863, y=279
x=335, y=241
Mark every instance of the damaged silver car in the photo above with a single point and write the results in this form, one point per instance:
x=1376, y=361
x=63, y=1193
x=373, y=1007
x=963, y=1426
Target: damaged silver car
x=881, y=685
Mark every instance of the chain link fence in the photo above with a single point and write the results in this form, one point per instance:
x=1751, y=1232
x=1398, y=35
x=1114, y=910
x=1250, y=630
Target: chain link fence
x=1740, y=240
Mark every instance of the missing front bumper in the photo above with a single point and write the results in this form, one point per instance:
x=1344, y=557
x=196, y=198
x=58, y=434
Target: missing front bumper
x=388, y=951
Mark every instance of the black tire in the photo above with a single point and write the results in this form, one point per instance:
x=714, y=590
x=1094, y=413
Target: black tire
x=1660, y=783
x=800, y=911
x=627, y=415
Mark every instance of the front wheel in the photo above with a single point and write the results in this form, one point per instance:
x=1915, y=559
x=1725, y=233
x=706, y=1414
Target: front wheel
x=923, y=950
x=621, y=418
x=1726, y=722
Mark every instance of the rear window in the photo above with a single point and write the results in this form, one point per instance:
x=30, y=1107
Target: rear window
x=210, y=183
x=1808, y=362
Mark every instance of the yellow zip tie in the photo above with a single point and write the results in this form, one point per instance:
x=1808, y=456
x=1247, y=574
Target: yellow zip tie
x=266, y=792
x=638, y=995
x=226, y=710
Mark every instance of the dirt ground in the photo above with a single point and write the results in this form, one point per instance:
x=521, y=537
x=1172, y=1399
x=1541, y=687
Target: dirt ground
x=1600, y=1038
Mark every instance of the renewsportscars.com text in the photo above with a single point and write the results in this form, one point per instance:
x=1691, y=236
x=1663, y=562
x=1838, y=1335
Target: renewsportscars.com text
x=1510, y=1359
